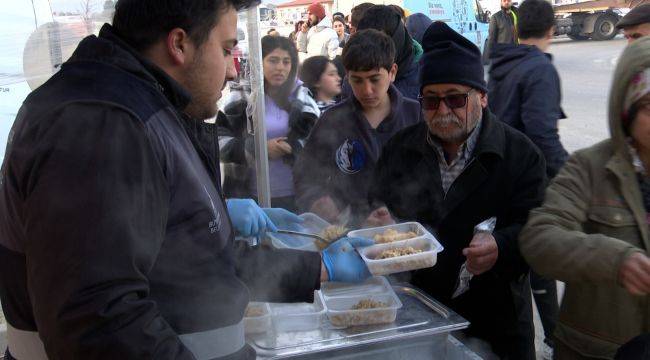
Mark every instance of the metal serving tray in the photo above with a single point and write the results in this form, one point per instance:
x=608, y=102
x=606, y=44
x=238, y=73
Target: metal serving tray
x=418, y=319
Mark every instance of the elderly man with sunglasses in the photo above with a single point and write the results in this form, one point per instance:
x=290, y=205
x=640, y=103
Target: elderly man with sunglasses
x=454, y=171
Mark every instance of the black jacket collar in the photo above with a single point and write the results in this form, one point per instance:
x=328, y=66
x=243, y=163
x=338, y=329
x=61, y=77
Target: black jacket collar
x=110, y=48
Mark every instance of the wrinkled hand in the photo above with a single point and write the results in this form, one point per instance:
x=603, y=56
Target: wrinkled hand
x=283, y=219
x=482, y=253
x=325, y=208
x=379, y=217
x=248, y=218
x=343, y=263
x=634, y=274
x=278, y=147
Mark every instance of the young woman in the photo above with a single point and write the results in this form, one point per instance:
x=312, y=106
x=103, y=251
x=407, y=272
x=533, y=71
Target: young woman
x=338, y=24
x=322, y=78
x=290, y=115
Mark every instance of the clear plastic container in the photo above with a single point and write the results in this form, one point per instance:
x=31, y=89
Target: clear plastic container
x=415, y=227
x=341, y=313
x=258, y=319
x=374, y=285
x=298, y=316
x=312, y=224
x=427, y=258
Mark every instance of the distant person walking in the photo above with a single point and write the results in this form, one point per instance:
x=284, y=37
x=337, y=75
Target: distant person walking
x=503, y=26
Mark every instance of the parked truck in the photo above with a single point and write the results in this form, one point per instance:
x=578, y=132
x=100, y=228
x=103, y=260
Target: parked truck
x=594, y=19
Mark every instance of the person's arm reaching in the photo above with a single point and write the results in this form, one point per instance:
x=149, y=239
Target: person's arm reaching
x=96, y=212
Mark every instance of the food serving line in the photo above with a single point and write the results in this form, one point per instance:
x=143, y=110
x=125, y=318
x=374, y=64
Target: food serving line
x=375, y=320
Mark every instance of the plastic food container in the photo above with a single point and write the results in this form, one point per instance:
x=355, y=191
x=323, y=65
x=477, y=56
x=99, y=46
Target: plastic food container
x=372, y=286
x=415, y=227
x=257, y=324
x=298, y=316
x=312, y=224
x=341, y=314
x=427, y=258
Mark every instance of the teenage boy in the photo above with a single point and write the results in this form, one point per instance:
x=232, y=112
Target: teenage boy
x=525, y=93
x=335, y=169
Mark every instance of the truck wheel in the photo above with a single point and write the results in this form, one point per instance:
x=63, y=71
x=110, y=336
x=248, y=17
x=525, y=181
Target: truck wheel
x=605, y=27
x=578, y=37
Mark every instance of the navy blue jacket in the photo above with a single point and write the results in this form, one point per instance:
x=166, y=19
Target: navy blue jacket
x=115, y=241
x=524, y=92
x=341, y=152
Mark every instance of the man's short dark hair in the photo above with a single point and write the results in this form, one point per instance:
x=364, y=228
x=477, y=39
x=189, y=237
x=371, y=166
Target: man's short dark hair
x=143, y=22
x=536, y=18
x=367, y=50
x=357, y=12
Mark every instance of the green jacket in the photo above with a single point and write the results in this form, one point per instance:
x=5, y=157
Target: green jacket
x=592, y=219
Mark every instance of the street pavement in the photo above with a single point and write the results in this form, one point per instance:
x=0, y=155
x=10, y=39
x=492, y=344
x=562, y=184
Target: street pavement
x=586, y=69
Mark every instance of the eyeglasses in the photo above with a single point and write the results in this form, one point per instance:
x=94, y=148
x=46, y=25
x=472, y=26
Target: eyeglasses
x=453, y=101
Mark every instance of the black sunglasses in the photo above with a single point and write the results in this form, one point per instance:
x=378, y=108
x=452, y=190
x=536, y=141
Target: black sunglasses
x=453, y=101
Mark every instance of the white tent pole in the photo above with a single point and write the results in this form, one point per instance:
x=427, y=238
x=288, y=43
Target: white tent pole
x=259, y=126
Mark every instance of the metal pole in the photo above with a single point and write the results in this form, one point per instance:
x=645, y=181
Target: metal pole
x=257, y=95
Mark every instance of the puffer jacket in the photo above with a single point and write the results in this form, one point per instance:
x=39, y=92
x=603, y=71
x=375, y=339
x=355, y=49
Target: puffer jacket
x=322, y=40
x=593, y=218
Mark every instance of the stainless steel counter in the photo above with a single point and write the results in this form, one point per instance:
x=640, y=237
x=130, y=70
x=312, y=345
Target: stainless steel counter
x=420, y=332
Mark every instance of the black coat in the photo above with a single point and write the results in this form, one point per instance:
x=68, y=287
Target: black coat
x=115, y=240
x=505, y=179
x=525, y=93
x=502, y=29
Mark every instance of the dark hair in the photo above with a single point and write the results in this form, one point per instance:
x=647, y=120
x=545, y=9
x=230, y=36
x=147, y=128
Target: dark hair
x=143, y=22
x=536, y=18
x=297, y=26
x=368, y=50
x=357, y=12
x=270, y=43
x=270, y=31
x=311, y=71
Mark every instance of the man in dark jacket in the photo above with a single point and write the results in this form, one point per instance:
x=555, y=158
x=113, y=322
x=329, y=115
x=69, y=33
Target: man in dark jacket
x=115, y=239
x=503, y=26
x=524, y=85
x=452, y=172
x=525, y=93
x=334, y=171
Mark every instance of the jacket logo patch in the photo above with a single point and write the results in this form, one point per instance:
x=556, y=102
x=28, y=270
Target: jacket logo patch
x=350, y=156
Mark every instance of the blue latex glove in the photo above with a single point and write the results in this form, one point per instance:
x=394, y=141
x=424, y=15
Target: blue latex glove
x=343, y=263
x=248, y=218
x=283, y=219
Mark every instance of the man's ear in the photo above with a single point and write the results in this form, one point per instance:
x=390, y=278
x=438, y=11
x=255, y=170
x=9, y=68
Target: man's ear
x=483, y=97
x=179, y=46
x=550, y=33
x=393, y=72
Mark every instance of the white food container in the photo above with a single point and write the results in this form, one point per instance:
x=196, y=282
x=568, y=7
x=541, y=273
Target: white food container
x=415, y=227
x=298, y=316
x=312, y=224
x=258, y=324
x=372, y=286
x=427, y=258
x=341, y=314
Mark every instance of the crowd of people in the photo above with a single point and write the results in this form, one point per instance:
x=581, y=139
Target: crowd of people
x=117, y=237
x=409, y=129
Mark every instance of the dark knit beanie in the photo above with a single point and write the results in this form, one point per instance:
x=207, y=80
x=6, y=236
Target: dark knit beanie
x=450, y=58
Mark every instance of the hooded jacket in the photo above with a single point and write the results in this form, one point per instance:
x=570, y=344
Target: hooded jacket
x=505, y=178
x=525, y=93
x=417, y=24
x=592, y=219
x=115, y=241
x=322, y=39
